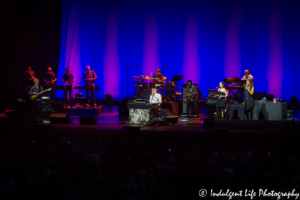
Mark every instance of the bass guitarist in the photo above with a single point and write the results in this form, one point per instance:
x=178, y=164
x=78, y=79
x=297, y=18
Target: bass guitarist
x=190, y=98
x=49, y=80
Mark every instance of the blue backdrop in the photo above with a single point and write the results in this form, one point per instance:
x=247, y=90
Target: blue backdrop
x=206, y=41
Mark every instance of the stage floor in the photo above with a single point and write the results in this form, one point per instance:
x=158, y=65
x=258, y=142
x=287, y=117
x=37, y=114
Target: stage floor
x=112, y=122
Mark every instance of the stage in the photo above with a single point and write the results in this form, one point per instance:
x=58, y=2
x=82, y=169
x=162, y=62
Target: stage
x=111, y=125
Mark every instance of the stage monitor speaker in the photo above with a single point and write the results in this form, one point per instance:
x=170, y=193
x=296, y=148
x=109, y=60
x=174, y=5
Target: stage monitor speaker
x=171, y=106
x=170, y=119
x=87, y=120
x=165, y=112
x=59, y=118
x=155, y=121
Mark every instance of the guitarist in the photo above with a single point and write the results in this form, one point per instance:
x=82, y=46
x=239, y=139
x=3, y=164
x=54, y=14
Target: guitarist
x=37, y=107
x=49, y=80
x=190, y=96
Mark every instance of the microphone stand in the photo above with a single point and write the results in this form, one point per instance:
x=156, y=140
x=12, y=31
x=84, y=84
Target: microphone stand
x=163, y=71
x=128, y=77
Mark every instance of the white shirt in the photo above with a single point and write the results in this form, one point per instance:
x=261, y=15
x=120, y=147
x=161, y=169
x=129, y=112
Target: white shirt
x=156, y=98
x=250, y=77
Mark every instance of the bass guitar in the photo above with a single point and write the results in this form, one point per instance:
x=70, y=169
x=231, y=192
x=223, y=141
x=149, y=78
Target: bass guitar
x=35, y=96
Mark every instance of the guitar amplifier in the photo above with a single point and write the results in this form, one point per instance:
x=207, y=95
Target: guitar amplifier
x=212, y=92
x=46, y=105
x=211, y=103
x=211, y=100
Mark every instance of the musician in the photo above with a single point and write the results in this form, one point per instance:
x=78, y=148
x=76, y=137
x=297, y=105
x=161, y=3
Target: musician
x=249, y=102
x=248, y=76
x=155, y=98
x=89, y=77
x=158, y=79
x=68, y=80
x=49, y=80
x=190, y=96
x=221, y=101
x=28, y=79
x=157, y=76
x=37, y=107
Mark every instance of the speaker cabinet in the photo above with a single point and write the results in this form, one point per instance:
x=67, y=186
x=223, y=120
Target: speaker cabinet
x=211, y=109
x=46, y=106
x=59, y=118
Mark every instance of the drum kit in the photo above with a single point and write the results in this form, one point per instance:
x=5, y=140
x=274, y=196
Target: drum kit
x=143, y=82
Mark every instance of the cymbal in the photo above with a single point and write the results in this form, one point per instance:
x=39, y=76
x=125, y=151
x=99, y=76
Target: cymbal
x=161, y=79
x=142, y=77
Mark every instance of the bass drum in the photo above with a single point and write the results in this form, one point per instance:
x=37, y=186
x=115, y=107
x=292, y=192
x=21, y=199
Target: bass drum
x=167, y=86
x=152, y=85
x=173, y=85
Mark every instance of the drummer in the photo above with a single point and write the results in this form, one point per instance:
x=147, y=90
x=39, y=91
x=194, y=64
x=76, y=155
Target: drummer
x=158, y=78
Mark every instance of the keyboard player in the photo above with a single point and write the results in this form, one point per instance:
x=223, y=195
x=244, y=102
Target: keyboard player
x=248, y=76
x=155, y=99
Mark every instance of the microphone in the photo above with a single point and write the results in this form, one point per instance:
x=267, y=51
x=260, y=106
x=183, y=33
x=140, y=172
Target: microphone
x=137, y=66
x=217, y=87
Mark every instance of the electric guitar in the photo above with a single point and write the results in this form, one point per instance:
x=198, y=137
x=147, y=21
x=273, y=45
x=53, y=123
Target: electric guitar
x=189, y=95
x=35, y=96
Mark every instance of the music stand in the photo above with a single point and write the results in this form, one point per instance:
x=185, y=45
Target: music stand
x=177, y=78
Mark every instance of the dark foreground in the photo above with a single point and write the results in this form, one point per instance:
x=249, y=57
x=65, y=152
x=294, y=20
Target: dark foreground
x=163, y=162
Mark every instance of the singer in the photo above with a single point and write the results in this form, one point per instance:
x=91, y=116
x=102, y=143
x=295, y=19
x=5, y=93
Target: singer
x=249, y=102
x=221, y=101
x=155, y=97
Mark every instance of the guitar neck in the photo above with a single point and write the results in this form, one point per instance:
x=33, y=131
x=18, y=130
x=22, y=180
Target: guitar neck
x=41, y=92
